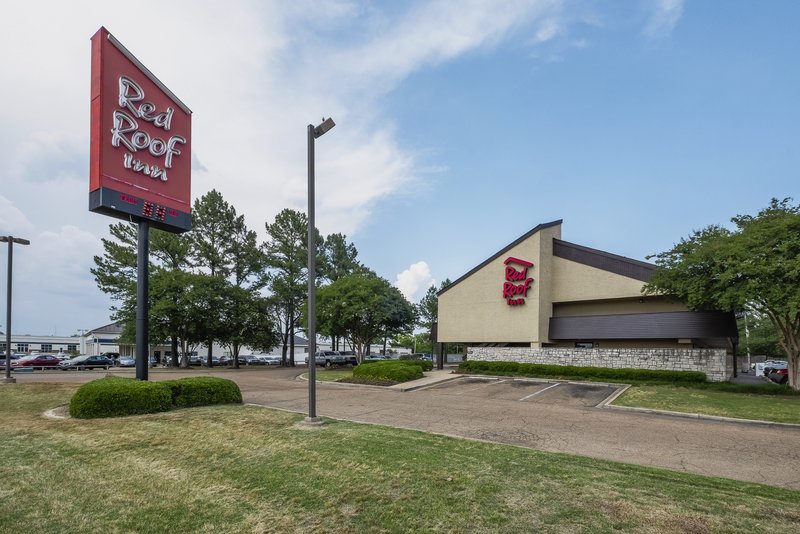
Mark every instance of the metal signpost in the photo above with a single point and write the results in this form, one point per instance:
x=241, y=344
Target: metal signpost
x=313, y=133
x=10, y=240
x=140, y=158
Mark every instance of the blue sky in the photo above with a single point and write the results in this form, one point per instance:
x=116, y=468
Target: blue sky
x=460, y=125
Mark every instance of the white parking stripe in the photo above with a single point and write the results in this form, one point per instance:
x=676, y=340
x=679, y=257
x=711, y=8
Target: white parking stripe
x=540, y=391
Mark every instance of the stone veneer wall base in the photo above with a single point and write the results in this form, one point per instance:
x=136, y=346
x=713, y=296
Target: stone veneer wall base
x=713, y=362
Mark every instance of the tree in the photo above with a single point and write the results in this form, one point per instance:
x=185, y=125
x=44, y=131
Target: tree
x=760, y=338
x=287, y=256
x=247, y=276
x=428, y=311
x=757, y=265
x=340, y=260
x=362, y=308
x=213, y=225
x=173, y=251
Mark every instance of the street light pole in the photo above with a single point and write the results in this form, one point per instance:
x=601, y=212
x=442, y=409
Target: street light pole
x=10, y=240
x=313, y=133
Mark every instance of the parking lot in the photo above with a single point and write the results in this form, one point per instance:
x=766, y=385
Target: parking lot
x=528, y=391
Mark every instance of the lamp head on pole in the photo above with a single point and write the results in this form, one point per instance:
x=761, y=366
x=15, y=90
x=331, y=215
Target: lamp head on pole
x=18, y=240
x=321, y=129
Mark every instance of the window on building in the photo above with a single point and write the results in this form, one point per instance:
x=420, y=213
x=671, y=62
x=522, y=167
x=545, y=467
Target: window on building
x=46, y=347
x=22, y=347
x=584, y=345
x=70, y=348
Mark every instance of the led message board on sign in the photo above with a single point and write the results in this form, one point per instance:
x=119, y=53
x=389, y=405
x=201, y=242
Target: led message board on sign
x=517, y=284
x=140, y=152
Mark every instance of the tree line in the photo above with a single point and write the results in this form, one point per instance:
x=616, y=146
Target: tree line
x=217, y=283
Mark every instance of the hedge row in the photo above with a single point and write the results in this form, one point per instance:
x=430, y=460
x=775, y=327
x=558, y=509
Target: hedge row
x=572, y=371
x=115, y=396
x=395, y=370
x=425, y=365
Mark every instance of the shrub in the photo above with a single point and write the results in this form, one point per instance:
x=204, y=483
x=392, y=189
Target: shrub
x=571, y=371
x=425, y=365
x=396, y=370
x=114, y=397
x=203, y=391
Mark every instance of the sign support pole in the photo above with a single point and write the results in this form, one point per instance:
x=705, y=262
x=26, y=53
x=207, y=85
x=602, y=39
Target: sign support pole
x=142, y=308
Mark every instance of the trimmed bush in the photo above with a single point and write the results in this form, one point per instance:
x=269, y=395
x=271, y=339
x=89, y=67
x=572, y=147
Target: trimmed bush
x=395, y=370
x=572, y=371
x=203, y=391
x=425, y=365
x=114, y=397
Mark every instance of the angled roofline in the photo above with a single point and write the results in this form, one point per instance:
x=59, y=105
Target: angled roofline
x=606, y=261
x=501, y=252
x=117, y=324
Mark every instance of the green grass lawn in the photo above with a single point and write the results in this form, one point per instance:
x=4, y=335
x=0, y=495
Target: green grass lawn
x=781, y=409
x=331, y=375
x=250, y=469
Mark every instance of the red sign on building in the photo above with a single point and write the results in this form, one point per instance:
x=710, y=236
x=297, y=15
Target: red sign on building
x=517, y=284
x=140, y=152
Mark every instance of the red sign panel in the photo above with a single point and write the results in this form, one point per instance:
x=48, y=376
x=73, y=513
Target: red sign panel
x=140, y=153
x=517, y=284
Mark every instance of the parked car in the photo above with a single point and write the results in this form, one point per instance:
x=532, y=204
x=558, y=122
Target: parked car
x=770, y=366
x=250, y=359
x=127, y=361
x=86, y=362
x=270, y=359
x=215, y=362
x=779, y=376
x=329, y=358
x=37, y=361
x=349, y=357
x=195, y=359
x=417, y=356
x=374, y=358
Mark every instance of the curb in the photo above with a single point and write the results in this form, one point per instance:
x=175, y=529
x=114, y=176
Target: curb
x=410, y=386
x=686, y=415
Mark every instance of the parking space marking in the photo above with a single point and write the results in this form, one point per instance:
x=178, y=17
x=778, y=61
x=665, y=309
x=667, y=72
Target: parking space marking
x=540, y=391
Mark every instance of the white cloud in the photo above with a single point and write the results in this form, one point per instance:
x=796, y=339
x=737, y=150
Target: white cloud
x=254, y=74
x=415, y=281
x=663, y=17
x=12, y=220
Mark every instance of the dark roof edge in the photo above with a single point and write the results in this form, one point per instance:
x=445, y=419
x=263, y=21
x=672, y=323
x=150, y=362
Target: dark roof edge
x=606, y=261
x=501, y=252
x=117, y=324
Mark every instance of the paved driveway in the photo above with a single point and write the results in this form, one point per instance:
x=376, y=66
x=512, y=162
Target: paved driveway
x=552, y=420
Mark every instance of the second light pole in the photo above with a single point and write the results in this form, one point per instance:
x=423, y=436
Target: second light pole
x=313, y=133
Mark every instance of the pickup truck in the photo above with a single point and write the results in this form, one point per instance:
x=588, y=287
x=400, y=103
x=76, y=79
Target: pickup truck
x=349, y=357
x=329, y=357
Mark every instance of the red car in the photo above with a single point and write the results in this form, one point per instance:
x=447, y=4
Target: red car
x=779, y=376
x=37, y=361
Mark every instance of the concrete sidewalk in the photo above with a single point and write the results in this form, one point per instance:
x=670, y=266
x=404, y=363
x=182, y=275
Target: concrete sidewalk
x=431, y=378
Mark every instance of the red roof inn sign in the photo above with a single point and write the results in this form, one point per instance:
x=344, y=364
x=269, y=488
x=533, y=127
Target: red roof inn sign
x=140, y=152
x=517, y=284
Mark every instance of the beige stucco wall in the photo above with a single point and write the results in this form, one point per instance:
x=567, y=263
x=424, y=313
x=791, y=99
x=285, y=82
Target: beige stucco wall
x=474, y=310
x=576, y=281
